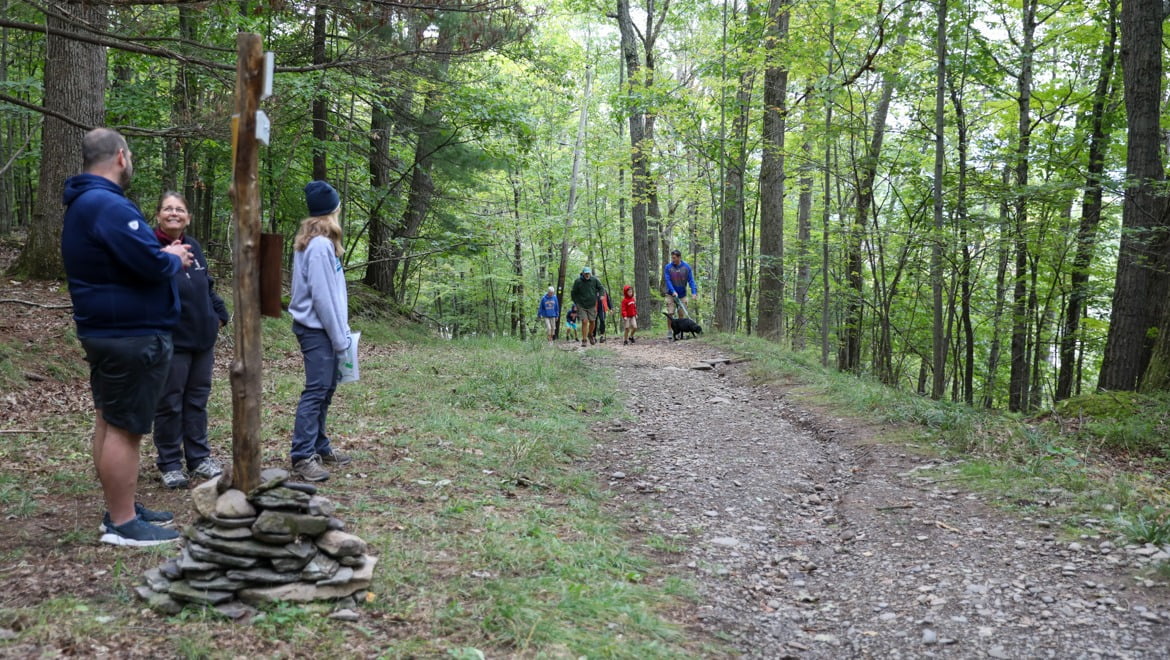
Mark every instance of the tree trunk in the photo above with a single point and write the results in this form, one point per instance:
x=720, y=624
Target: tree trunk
x=997, y=314
x=378, y=275
x=962, y=219
x=578, y=150
x=731, y=225
x=1139, y=295
x=639, y=171
x=75, y=84
x=850, y=357
x=321, y=101
x=428, y=141
x=938, y=341
x=803, y=253
x=1091, y=203
x=770, y=315
x=1018, y=383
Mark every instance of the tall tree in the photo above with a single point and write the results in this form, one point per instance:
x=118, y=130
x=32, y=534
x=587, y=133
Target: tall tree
x=75, y=74
x=1091, y=203
x=1018, y=381
x=735, y=172
x=639, y=79
x=1139, y=294
x=321, y=99
x=938, y=340
x=865, y=178
x=770, y=317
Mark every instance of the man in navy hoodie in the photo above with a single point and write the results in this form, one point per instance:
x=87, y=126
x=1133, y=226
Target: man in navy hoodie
x=125, y=303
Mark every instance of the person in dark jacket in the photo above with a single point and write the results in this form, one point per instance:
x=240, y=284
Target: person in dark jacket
x=585, y=293
x=180, y=421
x=125, y=304
x=603, y=310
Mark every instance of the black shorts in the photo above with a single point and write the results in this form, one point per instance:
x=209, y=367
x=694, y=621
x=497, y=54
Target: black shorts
x=127, y=375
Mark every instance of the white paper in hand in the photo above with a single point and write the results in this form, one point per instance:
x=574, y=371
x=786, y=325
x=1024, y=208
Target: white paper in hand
x=348, y=367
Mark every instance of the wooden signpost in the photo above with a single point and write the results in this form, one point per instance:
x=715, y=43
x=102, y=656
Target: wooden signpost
x=245, y=196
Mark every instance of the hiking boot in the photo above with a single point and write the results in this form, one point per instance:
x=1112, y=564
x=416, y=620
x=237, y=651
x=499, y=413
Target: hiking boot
x=310, y=469
x=175, y=479
x=631, y=340
x=138, y=533
x=584, y=343
x=625, y=342
x=592, y=340
x=160, y=518
x=208, y=469
x=336, y=458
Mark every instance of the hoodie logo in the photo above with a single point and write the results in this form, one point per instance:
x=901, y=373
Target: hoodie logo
x=133, y=225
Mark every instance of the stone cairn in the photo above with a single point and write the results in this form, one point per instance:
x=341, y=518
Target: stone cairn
x=279, y=542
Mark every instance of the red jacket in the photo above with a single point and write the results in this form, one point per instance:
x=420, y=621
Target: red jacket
x=629, y=307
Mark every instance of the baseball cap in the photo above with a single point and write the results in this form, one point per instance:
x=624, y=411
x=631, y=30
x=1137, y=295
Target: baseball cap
x=586, y=269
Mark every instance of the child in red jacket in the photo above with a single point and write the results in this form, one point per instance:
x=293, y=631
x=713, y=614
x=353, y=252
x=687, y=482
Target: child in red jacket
x=629, y=315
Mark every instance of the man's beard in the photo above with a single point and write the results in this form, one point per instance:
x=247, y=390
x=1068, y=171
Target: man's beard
x=124, y=178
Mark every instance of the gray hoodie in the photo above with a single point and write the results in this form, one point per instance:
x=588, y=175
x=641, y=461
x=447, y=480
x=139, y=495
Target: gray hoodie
x=319, y=299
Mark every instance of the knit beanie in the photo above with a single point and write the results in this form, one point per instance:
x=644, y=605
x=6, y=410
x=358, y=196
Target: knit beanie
x=321, y=198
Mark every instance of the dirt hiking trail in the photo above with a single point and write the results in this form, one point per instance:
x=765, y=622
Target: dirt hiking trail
x=808, y=540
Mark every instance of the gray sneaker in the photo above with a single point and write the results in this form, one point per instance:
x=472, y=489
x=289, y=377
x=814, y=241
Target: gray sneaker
x=310, y=469
x=175, y=479
x=208, y=469
x=336, y=458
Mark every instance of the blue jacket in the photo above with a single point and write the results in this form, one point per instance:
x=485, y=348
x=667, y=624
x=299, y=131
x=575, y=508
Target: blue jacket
x=550, y=307
x=675, y=279
x=201, y=310
x=121, y=282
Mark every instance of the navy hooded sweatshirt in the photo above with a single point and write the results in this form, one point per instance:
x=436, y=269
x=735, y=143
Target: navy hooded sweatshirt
x=121, y=282
x=202, y=311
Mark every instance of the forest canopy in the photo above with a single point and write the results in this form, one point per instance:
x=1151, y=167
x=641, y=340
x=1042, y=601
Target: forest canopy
x=965, y=199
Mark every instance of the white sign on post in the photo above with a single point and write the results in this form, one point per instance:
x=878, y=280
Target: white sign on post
x=263, y=127
x=269, y=69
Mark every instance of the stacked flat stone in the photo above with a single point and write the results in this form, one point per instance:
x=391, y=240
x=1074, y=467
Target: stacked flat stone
x=280, y=542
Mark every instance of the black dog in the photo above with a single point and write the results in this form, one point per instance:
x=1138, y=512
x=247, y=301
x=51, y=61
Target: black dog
x=679, y=327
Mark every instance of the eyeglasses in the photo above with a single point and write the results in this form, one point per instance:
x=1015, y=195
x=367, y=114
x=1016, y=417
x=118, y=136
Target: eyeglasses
x=173, y=209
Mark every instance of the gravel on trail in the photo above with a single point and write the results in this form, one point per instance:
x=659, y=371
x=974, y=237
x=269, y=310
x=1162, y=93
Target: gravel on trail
x=807, y=539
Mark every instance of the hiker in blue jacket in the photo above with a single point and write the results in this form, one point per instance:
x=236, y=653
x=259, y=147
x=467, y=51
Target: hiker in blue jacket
x=550, y=312
x=125, y=304
x=676, y=275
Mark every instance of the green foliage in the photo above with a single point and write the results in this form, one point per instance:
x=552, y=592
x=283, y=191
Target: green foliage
x=1148, y=525
x=1128, y=423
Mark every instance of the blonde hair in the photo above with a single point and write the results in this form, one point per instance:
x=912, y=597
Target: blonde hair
x=319, y=225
